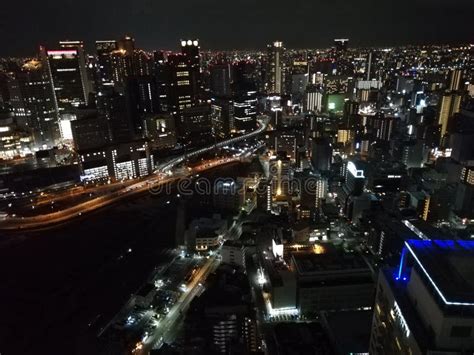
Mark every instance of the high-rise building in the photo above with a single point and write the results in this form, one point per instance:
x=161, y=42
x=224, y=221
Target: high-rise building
x=183, y=89
x=112, y=105
x=194, y=125
x=245, y=111
x=455, y=80
x=286, y=143
x=341, y=44
x=126, y=44
x=449, y=105
x=222, y=117
x=221, y=80
x=426, y=304
x=314, y=99
x=312, y=193
x=275, y=71
x=67, y=69
x=141, y=93
x=162, y=76
x=321, y=154
x=104, y=50
x=382, y=127
x=122, y=61
x=280, y=169
x=190, y=50
x=413, y=153
x=355, y=179
x=33, y=103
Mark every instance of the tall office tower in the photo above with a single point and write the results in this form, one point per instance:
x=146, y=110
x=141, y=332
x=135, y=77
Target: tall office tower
x=264, y=195
x=382, y=127
x=222, y=117
x=87, y=83
x=313, y=99
x=141, y=94
x=455, y=80
x=33, y=103
x=371, y=69
x=276, y=68
x=426, y=304
x=245, y=110
x=286, y=143
x=413, y=153
x=449, y=105
x=142, y=63
x=280, y=170
x=127, y=45
x=190, y=50
x=122, y=61
x=221, y=80
x=351, y=108
x=341, y=44
x=321, y=154
x=68, y=76
x=313, y=192
x=182, y=93
x=162, y=76
x=299, y=79
x=112, y=105
x=194, y=125
x=355, y=178
x=243, y=74
x=104, y=50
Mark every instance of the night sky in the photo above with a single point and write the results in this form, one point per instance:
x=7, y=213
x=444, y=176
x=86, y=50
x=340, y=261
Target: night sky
x=240, y=24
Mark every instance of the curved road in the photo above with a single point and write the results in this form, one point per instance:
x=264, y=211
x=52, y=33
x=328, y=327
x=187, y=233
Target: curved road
x=150, y=183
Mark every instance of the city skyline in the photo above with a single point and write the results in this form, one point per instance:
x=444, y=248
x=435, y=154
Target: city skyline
x=200, y=200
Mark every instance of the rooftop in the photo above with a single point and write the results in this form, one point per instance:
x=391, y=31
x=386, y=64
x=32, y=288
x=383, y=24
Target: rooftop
x=328, y=260
x=448, y=265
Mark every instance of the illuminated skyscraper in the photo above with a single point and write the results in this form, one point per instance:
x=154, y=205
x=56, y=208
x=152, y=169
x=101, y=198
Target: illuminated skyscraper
x=449, y=105
x=127, y=45
x=245, y=111
x=67, y=69
x=313, y=99
x=104, y=50
x=355, y=179
x=182, y=93
x=222, y=117
x=33, y=103
x=184, y=71
x=190, y=50
x=455, y=80
x=275, y=70
x=162, y=76
x=122, y=61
